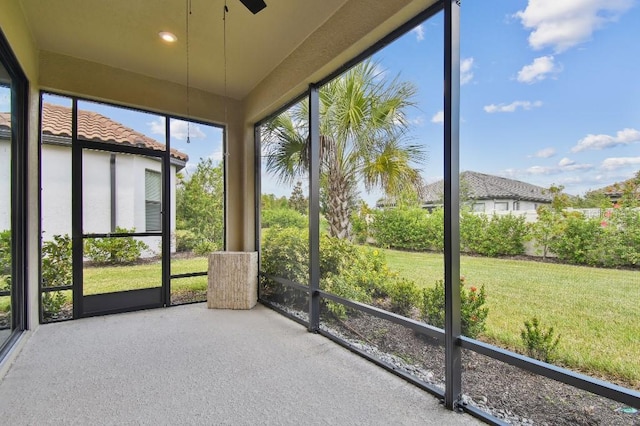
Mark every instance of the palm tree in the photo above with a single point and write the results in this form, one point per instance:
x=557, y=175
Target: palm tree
x=363, y=129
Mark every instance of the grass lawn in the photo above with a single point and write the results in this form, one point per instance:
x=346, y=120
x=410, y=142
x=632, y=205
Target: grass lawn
x=119, y=278
x=596, y=311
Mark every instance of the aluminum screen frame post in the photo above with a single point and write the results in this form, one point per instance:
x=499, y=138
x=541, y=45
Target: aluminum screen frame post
x=453, y=328
x=314, y=208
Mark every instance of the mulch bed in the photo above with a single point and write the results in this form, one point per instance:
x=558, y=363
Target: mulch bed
x=507, y=392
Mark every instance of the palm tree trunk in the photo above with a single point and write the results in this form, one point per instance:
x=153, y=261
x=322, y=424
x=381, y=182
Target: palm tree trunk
x=339, y=206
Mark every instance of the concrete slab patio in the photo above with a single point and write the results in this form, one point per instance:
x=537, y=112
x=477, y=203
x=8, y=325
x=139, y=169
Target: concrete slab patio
x=192, y=365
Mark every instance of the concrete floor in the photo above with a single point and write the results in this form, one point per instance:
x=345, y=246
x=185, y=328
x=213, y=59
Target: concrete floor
x=192, y=365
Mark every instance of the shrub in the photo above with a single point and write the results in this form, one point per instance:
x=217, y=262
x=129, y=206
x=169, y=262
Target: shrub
x=545, y=228
x=472, y=303
x=575, y=242
x=285, y=253
x=495, y=236
x=618, y=242
x=57, y=265
x=340, y=286
x=283, y=218
x=403, y=295
x=186, y=240
x=409, y=229
x=5, y=260
x=359, y=228
x=539, y=342
x=347, y=270
x=5, y=252
x=114, y=250
x=52, y=303
x=205, y=247
x=360, y=267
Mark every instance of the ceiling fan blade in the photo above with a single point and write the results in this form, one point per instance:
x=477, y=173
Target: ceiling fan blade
x=254, y=6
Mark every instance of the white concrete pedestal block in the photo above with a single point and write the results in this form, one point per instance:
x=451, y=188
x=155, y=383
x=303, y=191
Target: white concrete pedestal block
x=233, y=280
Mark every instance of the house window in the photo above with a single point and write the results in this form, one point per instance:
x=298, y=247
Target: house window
x=153, y=200
x=516, y=205
x=478, y=207
x=501, y=206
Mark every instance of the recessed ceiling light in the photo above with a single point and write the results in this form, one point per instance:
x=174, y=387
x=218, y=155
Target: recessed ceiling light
x=168, y=37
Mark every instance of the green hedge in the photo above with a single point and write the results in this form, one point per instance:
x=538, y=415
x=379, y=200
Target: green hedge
x=418, y=230
x=610, y=241
x=409, y=229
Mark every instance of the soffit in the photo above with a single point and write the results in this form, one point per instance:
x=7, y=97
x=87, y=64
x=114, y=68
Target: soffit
x=124, y=34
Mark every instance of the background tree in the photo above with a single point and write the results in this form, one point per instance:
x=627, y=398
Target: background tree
x=593, y=199
x=363, y=130
x=270, y=201
x=631, y=192
x=199, y=205
x=298, y=201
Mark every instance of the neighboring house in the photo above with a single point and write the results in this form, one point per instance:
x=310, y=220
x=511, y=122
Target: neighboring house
x=615, y=191
x=488, y=193
x=119, y=190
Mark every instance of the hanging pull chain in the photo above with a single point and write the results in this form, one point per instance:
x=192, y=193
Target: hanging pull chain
x=188, y=14
x=224, y=53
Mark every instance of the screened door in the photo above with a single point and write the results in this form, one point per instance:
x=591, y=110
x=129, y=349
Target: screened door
x=122, y=232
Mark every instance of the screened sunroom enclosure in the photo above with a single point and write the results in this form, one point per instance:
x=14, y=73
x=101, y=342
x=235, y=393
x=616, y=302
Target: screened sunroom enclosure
x=251, y=78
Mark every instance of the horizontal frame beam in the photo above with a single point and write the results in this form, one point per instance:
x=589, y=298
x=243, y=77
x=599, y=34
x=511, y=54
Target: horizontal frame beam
x=559, y=374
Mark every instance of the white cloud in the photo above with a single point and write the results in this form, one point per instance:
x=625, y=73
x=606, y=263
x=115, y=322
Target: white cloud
x=545, y=153
x=417, y=121
x=615, y=163
x=438, y=117
x=540, y=170
x=538, y=70
x=466, y=73
x=419, y=32
x=564, y=166
x=566, y=162
x=216, y=156
x=512, y=107
x=179, y=129
x=562, y=24
x=596, y=142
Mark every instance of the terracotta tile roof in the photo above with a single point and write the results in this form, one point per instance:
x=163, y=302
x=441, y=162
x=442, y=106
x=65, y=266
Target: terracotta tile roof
x=5, y=121
x=56, y=121
x=480, y=186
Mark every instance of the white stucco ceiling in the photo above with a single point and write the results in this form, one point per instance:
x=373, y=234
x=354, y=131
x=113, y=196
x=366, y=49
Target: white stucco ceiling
x=124, y=34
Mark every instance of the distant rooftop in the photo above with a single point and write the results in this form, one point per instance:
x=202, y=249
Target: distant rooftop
x=480, y=186
x=618, y=188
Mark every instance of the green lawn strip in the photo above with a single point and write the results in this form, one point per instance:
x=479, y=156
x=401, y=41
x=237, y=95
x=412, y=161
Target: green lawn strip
x=189, y=284
x=106, y=279
x=5, y=303
x=595, y=310
x=186, y=266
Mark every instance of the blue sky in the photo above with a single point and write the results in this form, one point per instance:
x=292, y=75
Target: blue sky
x=549, y=94
x=549, y=91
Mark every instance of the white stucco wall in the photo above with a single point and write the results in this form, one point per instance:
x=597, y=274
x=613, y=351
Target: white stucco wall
x=130, y=192
x=56, y=191
x=490, y=205
x=96, y=192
